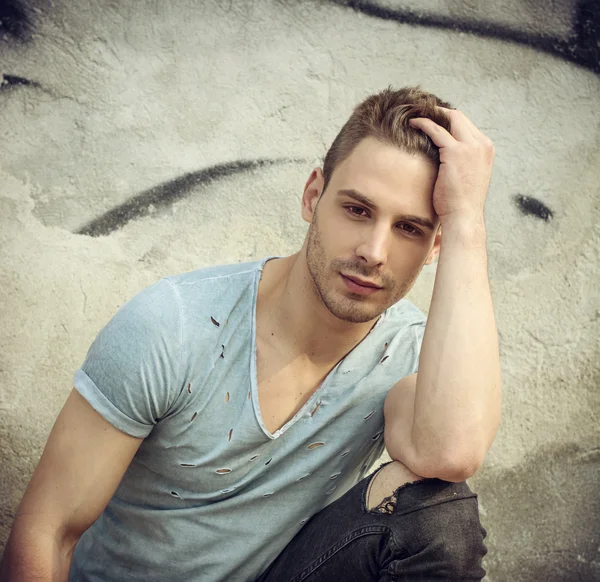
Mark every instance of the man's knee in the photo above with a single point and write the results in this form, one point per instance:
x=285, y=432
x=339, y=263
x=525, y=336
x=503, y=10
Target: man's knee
x=448, y=539
x=439, y=521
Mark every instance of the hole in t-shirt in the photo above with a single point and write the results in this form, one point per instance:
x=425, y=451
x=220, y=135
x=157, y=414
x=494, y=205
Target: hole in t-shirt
x=267, y=494
x=303, y=477
x=370, y=415
x=302, y=522
x=175, y=494
x=189, y=388
x=331, y=490
x=194, y=416
x=228, y=490
x=222, y=351
x=187, y=465
x=253, y=458
x=335, y=475
x=385, y=345
x=345, y=453
x=230, y=433
x=315, y=446
x=384, y=359
x=269, y=461
x=377, y=435
x=315, y=409
x=223, y=471
x=214, y=321
x=248, y=394
x=227, y=397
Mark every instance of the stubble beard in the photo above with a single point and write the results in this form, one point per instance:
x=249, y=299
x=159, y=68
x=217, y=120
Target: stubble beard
x=344, y=308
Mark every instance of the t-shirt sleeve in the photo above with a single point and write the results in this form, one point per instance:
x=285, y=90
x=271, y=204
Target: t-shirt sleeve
x=130, y=374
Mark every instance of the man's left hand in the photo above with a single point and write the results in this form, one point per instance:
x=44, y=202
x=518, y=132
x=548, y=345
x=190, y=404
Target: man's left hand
x=466, y=160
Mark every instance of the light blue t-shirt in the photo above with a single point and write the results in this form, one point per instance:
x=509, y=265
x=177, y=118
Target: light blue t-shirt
x=211, y=495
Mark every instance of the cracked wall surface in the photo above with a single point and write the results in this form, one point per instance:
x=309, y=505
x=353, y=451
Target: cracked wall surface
x=146, y=139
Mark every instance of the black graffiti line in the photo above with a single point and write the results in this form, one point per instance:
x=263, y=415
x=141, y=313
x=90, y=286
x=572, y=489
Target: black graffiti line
x=164, y=195
x=570, y=50
x=582, y=48
x=8, y=82
x=15, y=21
x=529, y=205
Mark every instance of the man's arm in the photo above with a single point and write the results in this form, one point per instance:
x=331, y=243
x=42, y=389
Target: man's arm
x=442, y=421
x=83, y=462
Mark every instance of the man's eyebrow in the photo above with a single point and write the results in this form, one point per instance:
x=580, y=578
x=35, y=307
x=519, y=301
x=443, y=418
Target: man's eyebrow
x=359, y=197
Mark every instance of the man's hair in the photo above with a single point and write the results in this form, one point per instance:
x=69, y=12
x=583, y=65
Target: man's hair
x=385, y=116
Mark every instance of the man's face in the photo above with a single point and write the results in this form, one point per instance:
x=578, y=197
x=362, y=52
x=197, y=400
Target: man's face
x=375, y=222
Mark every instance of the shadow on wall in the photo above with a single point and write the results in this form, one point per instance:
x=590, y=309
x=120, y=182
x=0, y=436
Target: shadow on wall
x=542, y=489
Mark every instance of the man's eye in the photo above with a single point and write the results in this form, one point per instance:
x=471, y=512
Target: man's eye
x=410, y=229
x=355, y=210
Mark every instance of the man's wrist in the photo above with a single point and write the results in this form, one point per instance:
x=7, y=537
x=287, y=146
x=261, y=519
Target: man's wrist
x=463, y=229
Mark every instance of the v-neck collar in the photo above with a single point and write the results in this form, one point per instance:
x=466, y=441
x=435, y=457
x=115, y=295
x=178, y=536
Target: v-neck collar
x=308, y=405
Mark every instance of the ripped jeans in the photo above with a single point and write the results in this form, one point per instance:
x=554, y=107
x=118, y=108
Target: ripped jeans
x=426, y=530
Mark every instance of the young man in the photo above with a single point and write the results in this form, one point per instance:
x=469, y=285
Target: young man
x=226, y=413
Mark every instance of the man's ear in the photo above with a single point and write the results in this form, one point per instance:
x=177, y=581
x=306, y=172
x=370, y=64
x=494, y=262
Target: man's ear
x=435, y=249
x=312, y=192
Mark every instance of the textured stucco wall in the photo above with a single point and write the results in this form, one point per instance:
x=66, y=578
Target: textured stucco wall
x=134, y=123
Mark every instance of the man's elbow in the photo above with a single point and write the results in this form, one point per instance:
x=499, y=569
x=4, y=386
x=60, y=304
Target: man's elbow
x=451, y=467
x=457, y=472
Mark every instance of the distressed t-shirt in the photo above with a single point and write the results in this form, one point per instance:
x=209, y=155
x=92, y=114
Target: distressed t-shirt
x=211, y=495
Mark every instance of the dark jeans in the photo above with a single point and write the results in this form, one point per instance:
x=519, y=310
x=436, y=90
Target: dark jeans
x=427, y=530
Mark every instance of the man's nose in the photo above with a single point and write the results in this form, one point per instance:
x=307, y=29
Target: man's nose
x=373, y=249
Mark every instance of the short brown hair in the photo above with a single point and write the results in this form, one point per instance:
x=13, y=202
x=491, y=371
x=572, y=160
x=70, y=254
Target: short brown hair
x=385, y=116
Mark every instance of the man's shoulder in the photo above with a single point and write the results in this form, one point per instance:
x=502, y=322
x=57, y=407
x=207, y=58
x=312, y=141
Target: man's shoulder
x=405, y=312
x=217, y=281
x=215, y=272
x=220, y=289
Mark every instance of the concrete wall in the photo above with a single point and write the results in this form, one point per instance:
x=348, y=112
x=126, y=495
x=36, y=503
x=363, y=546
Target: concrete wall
x=144, y=139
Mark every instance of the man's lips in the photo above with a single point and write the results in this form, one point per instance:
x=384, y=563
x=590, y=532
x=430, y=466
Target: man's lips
x=362, y=282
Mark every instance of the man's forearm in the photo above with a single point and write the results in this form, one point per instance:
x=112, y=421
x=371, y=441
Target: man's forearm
x=32, y=556
x=458, y=392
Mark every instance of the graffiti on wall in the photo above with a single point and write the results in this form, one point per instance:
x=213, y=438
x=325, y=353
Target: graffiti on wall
x=113, y=117
x=582, y=48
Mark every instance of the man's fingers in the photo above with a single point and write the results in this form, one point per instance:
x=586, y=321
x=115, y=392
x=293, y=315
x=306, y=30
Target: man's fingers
x=439, y=136
x=461, y=125
x=462, y=130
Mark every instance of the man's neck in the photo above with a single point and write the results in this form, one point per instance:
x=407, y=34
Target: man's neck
x=292, y=317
